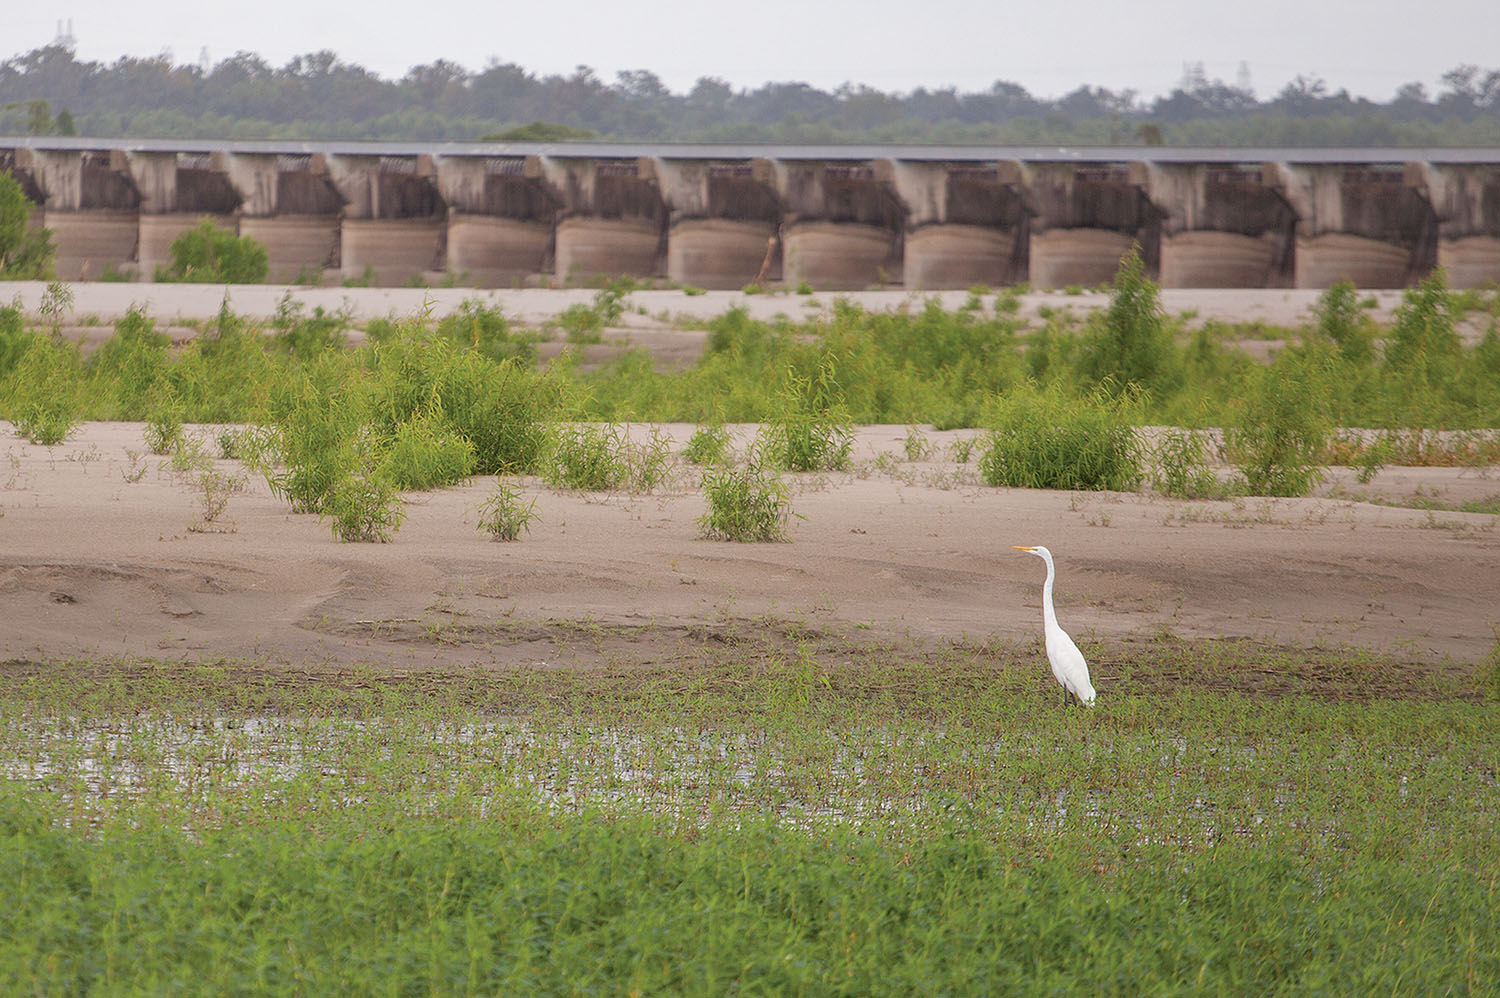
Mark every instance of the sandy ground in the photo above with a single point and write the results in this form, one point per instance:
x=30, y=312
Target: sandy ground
x=94, y=564
x=167, y=302
x=99, y=554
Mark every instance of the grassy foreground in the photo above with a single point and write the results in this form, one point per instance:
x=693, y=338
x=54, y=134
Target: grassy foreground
x=820, y=821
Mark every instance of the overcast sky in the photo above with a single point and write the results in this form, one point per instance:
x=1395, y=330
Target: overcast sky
x=1369, y=47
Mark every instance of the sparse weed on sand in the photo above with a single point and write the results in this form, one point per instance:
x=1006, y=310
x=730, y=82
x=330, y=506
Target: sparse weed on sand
x=747, y=503
x=504, y=516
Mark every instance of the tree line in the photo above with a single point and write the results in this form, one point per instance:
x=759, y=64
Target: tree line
x=50, y=91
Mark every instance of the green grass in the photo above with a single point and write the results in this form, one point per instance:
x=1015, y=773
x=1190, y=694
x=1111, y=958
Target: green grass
x=797, y=814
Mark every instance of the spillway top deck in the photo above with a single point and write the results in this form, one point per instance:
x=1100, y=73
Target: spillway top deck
x=817, y=153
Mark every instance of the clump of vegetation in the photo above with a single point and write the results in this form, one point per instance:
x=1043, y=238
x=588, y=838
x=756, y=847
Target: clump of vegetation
x=164, y=417
x=426, y=452
x=1181, y=466
x=748, y=503
x=813, y=431
x=587, y=457
x=916, y=445
x=1131, y=344
x=129, y=365
x=1283, y=428
x=307, y=336
x=1341, y=317
x=1424, y=351
x=504, y=515
x=599, y=458
x=26, y=254
x=363, y=506
x=207, y=254
x=709, y=445
x=586, y=323
x=214, y=490
x=1041, y=438
x=485, y=329
x=45, y=397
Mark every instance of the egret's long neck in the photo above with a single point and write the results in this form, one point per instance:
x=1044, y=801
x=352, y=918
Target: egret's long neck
x=1049, y=615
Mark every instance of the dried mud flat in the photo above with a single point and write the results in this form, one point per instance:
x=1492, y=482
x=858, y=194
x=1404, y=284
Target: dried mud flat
x=913, y=556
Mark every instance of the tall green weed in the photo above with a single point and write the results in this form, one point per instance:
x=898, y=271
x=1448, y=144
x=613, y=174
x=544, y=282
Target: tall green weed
x=1283, y=427
x=1044, y=438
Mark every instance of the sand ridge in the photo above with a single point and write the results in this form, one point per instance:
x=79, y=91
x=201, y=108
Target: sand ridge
x=92, y=564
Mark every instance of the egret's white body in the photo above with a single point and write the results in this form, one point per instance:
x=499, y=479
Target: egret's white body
x=1068, y=664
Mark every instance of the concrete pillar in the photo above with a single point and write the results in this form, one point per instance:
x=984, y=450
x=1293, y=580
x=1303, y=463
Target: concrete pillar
x=1086, y=218
x=844, y=224
x=91, y=207
x=614, y=221
x=967, y=223
x=1466, y=199
x=1366, y=223
x=725, y=219
x=395, y=224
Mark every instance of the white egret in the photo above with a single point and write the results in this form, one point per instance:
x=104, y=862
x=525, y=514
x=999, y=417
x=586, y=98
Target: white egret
x=1068, y=666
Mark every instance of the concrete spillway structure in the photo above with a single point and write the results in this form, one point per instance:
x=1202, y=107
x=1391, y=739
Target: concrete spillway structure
x=966, y=224
x=835, y=217
x=1366, y=223
x=292, y=208
x=724, y=221
x=613, y=221
x=843, y=226
x=1087, y=218
x=501, y=218
x=1229, y=227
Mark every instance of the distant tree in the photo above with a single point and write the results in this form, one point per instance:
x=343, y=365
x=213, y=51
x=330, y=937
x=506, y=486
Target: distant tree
x=318, y=96
x=539, y=131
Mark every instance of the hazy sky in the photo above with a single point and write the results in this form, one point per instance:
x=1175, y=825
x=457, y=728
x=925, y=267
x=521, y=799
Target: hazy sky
x=1369, y=47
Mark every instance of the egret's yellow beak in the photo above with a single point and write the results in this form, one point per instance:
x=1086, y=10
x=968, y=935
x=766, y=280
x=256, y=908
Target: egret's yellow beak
x=1020, y=548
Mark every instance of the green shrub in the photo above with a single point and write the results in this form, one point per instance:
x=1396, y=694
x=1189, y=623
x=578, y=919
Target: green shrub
x=484, y=328
x=426, y=453
x=26, y=254
x=745, y=503
x=225, y=374
x=1341, y=318
x=250, y=444
x=208, y=254
x=130, y=363
x=307, y=336
x=916, y=445
x=363, y=507
x=586, y=323
x=1283, y=429
x=1132, y=344
x=813, y=430
x=319, y=417
x=1181, y=467
x=587, y=457
x=708, y=445
x=15, y=339
x=163, y=417
x=504, y=516
x=1424, y=352
x=46, y=391
x=502, y=408
x=1044, y=439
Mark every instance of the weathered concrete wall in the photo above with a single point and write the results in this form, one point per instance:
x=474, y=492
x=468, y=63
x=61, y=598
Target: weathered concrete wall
x=721, y=217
